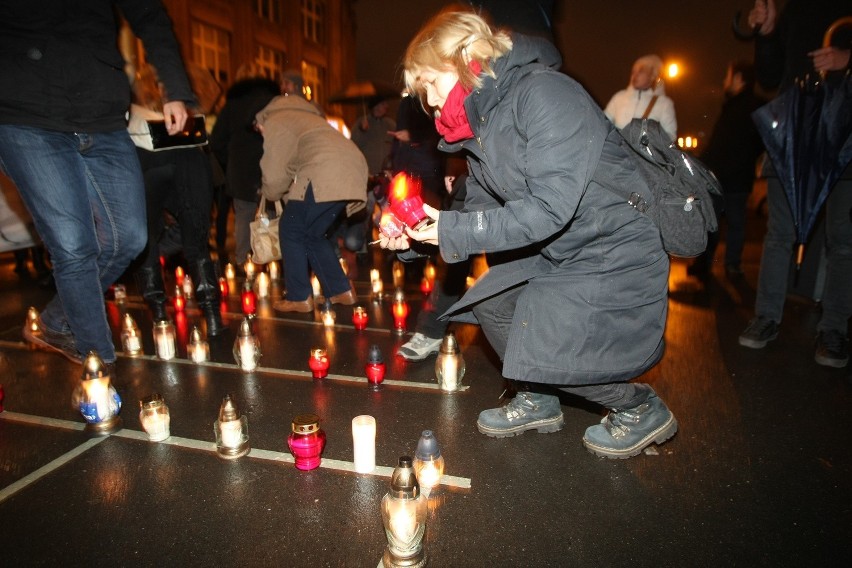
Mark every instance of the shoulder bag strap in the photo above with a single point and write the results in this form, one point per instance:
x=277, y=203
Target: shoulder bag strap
x=650, y=107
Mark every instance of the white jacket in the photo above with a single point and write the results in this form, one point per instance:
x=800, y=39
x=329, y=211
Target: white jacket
x=627, y=104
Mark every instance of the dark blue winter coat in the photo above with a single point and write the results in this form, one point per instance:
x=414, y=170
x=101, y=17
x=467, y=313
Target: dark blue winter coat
x=594, y=306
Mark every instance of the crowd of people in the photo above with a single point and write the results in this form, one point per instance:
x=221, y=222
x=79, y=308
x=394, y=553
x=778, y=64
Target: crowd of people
x=575, y=299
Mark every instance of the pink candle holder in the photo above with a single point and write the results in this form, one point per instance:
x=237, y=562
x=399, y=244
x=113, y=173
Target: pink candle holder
x=306, y=441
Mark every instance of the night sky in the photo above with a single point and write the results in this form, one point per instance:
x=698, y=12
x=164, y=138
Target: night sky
x=599, y=41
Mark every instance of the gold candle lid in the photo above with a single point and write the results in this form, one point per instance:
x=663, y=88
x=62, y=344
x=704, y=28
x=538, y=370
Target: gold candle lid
x=305, y=424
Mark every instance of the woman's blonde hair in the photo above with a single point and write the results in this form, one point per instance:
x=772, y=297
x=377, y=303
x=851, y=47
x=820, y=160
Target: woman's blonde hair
x=449, y=40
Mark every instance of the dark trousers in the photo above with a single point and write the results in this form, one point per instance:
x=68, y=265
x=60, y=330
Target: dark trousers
x=495, y=316
x=305, y=243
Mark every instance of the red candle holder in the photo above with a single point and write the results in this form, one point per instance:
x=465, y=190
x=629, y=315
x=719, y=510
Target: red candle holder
x=390, y=226
x=179, y=301
x=318, y=363
x=400, y=313
x=306, y=441
x=359, y=318
x=375, y=368
x=179, y=274
x=224, y=289
x=249, y=300
x=425, y=286
x=405, y=201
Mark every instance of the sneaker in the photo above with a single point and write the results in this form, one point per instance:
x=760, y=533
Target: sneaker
x=759, y=332
x=832, y=349
x=62, y=343
x=625, y=433
x=419, y=347
x=527, y=411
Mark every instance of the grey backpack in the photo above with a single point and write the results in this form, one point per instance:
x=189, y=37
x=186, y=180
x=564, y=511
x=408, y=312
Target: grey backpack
x=678, y=199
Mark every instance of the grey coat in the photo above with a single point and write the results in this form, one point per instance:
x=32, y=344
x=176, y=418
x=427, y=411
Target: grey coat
x=593, y=309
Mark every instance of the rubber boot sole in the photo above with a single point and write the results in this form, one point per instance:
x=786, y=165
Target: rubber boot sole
x=544, y=426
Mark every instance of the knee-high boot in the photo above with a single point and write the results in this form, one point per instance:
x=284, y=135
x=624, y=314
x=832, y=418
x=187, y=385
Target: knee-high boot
x=150, y=282
x=207, y=295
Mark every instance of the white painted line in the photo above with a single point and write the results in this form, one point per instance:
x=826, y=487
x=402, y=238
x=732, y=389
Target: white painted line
x=257, y=453
x=46, y=469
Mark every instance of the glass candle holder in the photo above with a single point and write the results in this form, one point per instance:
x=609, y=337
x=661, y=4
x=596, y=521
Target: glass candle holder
x=131, y=342
x=250, y=268
x=274, y=270
x=33, y=320
x=400, y=313
x=327, y=313
x=154, y=416
x=198, y=349
x=390, y=226
x=449, y=366
x=224, y=289
x=405, y=202
x=164, y=339
x=262, y=284
x=119, y=293
x=375, y=367
x=231, y=431
x=306, y=441
x=247, y=347
x=404, y=518
x=425, y=286
x=230, y=271
x=179, y=274
x=398, y=273
x=359, y=318
x=179, y=301
x=188, y=287
x=96, y=398
x=428, y=462
x=249, y=300
x=319, y=363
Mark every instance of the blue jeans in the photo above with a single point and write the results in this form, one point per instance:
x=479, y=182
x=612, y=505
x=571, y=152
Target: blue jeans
x=778, y=251
x=87, y=200
x=304, y=242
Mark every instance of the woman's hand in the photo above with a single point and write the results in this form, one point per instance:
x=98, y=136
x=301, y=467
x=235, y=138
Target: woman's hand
x=763, y=16
x=175, y=115
x=830, y=59
x=429, y=233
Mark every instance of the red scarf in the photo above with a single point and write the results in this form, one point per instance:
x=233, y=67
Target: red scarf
x=453, y=124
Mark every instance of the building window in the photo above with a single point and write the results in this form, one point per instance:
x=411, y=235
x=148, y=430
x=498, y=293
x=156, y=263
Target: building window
x=313, y=20
x=211, y=49
x=269, y=10
x=314, y=77
x=270, y=61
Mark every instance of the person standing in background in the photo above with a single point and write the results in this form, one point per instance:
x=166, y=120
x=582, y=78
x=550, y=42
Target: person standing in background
x=238, y=147
x=644, y=97
x=787, y=49
x=64, y=100
x=731, y=154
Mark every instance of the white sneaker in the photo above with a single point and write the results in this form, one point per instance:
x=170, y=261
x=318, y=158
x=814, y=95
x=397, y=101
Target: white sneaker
x=419, y=347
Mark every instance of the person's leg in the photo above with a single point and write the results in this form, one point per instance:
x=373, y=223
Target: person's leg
x=774, y=270
x=294, y=254
x=244, y=212
x=735, y=210
x=86, y=197
x=319, y=249
x=832, y=342
x=527, y=410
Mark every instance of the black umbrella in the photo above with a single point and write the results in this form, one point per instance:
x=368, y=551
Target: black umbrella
x=807, y=131
x=364, y=92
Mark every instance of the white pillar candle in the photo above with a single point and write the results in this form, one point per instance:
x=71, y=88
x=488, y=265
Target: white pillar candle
x=364, y=443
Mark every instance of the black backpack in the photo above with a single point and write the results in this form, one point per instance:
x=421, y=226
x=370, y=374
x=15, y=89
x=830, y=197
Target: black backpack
x=679, y=200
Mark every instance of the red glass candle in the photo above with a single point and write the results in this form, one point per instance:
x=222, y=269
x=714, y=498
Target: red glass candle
x=224, y=290
x=425, y=286
x=375, y=368
x=179, y=300
x=400, y=312
x=306, y=441
x=318, y=363
x=405, y=201
x=179, y=274
x=249, y=300
x=359, y=318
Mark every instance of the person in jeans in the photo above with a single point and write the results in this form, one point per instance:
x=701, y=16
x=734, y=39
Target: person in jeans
x=787, y=48
x=577, y=300
x=64, y=98
x=320, y=174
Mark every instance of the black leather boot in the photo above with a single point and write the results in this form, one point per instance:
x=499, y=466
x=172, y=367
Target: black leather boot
x=150, y=282
x=207, y=295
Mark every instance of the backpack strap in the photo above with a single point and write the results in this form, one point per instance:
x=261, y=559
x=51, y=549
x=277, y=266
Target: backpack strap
x=651, y=104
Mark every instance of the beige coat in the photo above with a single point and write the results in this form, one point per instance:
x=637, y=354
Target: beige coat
x=300, y=147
